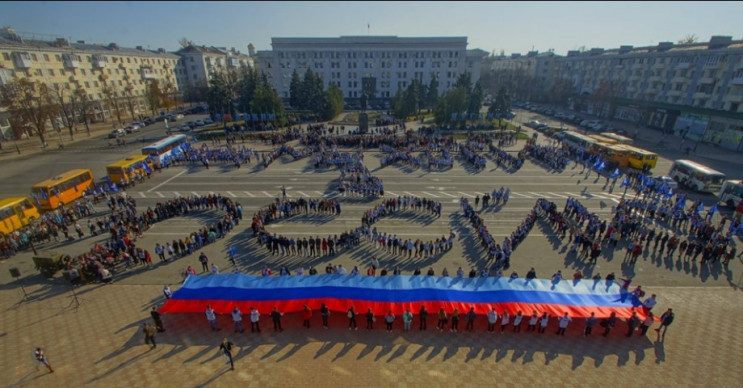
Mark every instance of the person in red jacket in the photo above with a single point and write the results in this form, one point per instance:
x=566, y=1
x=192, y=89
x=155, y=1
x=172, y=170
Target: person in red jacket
x=306, y=316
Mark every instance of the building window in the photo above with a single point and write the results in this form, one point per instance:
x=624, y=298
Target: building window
x=51, y=72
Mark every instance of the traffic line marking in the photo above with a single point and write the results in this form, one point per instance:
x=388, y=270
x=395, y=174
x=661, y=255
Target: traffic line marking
x=429, y=194
x=558, y=195
x=249, y=194
x=231, y=194
x=161, y=184
x=159, y=194
x=466, y=195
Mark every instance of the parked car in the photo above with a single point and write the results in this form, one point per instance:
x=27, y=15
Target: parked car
x=185, y=128
x=533, y=124
x=149, y=121
x=131, y=128
x=208, y=121
x=199, y=123
x=178, y=116
x=666, y=180
x=116, y=133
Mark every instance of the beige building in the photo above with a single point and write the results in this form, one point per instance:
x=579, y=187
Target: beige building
x=694, y=90
x=126, y=72
x=197, y=64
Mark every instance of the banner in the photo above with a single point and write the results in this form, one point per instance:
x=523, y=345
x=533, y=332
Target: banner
x=397, y=293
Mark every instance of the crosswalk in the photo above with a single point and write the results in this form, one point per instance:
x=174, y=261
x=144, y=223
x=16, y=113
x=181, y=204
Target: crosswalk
x=441, y=195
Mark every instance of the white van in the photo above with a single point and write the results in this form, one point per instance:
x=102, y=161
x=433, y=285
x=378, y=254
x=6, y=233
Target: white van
x=696, y=176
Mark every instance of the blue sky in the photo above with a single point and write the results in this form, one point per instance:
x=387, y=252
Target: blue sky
x=508, y=26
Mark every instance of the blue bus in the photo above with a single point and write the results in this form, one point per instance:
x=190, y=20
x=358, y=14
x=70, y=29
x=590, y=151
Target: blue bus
x=164, y=150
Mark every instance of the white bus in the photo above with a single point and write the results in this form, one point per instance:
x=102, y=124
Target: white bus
x=696, y=176
x=162, y=151
x=731, y=192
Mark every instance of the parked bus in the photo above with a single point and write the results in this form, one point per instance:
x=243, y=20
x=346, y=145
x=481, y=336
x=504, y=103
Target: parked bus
x=639, y=158
x=127, y=169
x=577, y=140
x=164, y=149
x=62, y=189
x=16, y=213
x=602, y=139
x=731, y=192
x=696, y=176
x=617, y=137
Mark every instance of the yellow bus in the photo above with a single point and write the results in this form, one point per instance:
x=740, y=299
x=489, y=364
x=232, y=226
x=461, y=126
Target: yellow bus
x=617, y=155
x=16, y=213
x=640, y=158
x=127, y=168
x=619, y=138
x=603, y=139
x=62, y=189
x=577, y=140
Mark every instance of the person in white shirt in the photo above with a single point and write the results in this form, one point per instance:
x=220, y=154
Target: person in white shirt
x=212, y=318
x=340, y=270
x=492, y=319
x=215, y=269
x=504, y=321
x=237, y=318
x=563, y=324
x=533, y=322
x=167, y=292
x=254, y=317
x=460, y=273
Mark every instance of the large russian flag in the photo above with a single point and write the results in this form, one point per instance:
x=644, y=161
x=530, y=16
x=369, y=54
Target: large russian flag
x=398, y=293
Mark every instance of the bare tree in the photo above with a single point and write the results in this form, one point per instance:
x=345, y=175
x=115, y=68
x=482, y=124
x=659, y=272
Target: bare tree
x=85, y=106
x=130, y=99
x=111, y=94
x=689, y=39
x=154, y=96
x=67, y=102
x=30, y=103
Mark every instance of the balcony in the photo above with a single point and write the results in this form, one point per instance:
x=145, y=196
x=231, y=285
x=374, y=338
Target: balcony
x=22, y=60
x=659, y=66
x=683, y=65
x=733, y=97
x=148, y=75
x=71, y=61
x=701, y=96
x=99, y=61
x=655, y=78
x=675, y=93
x=679, y=80
x=707, y=80
x=638, y=66
x=738, y=80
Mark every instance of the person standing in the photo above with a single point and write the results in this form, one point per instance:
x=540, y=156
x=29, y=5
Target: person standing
x=650, y=302
x=389, y=319
x=455, y=321
x=149, y=335
x=237, y=319
x=156, y=317
x=215, y=269
x=442, y=320
x=543, y=322
x=504, y=321
x=324, y=314
x=41, y=358
x=255, y=317
x=517, y=322
x=632, y=324
x=533, y=322
x=306, y=316
x=276, y=317
x=369, y=319
x=665, y=320
x=226, y=348
x=492, y=319
x=646, y=324
x=609, y=323
x=423, y=316
x=590, y=323
x=471, y=319
x=204, y=262
x=211, y=316
x=563, y=324
x=407, y=320
x=167, y=292
x=352, y=319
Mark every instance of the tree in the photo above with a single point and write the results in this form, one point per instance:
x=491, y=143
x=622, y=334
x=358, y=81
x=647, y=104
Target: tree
x=502, y=105
x=130, y=99
x=432, y=92
x=111, y=94
x=475, y=99
x=295, y=91
x=31, y=104
x=154, y=96
x=689, y=39
x=421, y=94
x=333, y=102
x=185, y=42
x=66, y=100
x=454, y=101
x=85, y=106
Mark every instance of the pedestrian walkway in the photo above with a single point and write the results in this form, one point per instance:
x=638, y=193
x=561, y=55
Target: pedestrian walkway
x=100, y=343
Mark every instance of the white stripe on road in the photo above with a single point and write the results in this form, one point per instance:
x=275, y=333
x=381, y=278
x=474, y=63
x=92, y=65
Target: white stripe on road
x=392, y=194
x=303, y=194
x=141, y=194
x=249, y=194
x=231, y=194
x=162, y=184
x=267, y=195
x=194, y=193
x=453, y=196
x=558, y=195
x=519, y=195
x=429, y=194
x=466, y=195
x=177, y=194
x=159, y=194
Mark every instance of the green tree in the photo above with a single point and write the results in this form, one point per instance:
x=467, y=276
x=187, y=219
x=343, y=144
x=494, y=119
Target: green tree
x=333, y=102
x=454, y=101
x=295, y=91
x=502, y=105
x=475, y=99
x=432, y=92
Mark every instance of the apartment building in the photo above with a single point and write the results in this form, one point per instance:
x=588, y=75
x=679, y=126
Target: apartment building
x=384, y=63
x=197, y=64
x=59, y=63
x=694, y=90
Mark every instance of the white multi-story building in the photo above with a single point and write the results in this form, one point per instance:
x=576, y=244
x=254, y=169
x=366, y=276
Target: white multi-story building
x=691, y=89
x=387, y=62
x=199, y=63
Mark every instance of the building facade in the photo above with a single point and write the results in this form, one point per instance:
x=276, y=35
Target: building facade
x=693, y=90
x=385, y=63
x=110, y=75
x=198, y=63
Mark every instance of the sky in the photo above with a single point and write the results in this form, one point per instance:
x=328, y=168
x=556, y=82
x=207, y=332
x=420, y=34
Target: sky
x=510, y=27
